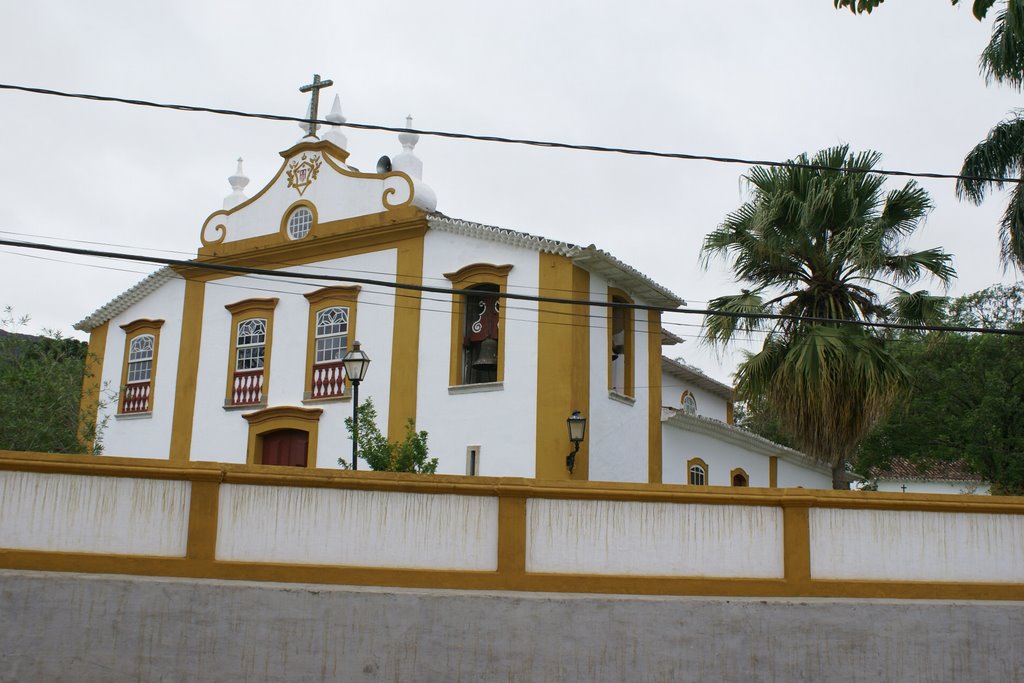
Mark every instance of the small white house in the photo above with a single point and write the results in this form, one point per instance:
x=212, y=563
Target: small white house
x=933, y=477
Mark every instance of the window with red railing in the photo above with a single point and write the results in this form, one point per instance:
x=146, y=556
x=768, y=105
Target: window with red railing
x=331, y=345
x=250, y=358
x=136, y=393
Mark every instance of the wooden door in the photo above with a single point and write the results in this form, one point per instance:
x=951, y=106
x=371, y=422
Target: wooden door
x=285, y=447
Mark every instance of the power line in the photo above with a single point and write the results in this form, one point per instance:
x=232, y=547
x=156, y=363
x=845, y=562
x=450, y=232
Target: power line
x=504, y=140
x=248, y=270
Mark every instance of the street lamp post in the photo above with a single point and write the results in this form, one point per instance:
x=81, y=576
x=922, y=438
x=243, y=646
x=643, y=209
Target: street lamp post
x=356, y=364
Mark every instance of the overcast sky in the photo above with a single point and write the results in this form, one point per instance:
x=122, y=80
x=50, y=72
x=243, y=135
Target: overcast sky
x=765, y=80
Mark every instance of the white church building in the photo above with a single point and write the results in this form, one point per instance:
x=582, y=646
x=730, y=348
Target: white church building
x=216, y=363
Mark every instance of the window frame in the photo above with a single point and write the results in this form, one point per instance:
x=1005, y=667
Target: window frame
x=629, y=344
x=320, y=300
x=282, y=417
x=133, y=330
x=242, y=311
x=697, y=462
x=739, y=471
x=687, y=394
x=468, y=277
x=299, y=204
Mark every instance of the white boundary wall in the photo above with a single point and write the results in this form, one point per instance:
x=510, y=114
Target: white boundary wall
x=75, y=513
x=358, y=528
x=916, y=546
x=659, y=539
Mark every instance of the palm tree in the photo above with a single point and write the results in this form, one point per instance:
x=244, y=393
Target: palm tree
x=1001, y=154
x=817, y=243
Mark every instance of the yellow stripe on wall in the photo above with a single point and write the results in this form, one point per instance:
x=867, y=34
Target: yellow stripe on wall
x=563, y=362
x=188, y=371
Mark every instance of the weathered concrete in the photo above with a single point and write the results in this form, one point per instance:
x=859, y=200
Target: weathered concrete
x=82, y=628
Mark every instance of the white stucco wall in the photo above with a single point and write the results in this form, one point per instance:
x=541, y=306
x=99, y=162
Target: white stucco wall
x=145, y=436
x=793, y=475
x=653, y=539
x=679, y=445
x=708, y=404
x=357, y=528
x=916, y=546
x=502, y=422
x=73, y=513
x=616, y=430
x=221, y=434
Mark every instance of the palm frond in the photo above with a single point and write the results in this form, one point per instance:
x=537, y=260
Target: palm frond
x=915, y=308
x=740, y=314
x=1011, y=230
x=910, y=267
x=999, y=155
x=1002, y=60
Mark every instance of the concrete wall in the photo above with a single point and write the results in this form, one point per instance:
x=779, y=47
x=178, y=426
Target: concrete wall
x=88, y=628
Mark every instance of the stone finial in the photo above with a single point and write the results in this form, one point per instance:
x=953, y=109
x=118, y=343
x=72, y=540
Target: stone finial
x=410, y=164
x=408, y=140
x=335, y=134
x=407, y=161
x=238, y=182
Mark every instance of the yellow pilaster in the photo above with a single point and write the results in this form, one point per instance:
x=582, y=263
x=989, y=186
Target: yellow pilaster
x=563, y=366
x=92, y=386
x=188, y=370
x=654, y=397
x=405, y=344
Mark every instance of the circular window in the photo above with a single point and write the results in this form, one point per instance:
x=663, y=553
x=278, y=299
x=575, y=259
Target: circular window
x=300, y=222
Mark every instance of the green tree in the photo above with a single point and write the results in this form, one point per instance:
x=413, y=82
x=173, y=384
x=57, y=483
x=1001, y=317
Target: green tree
x=385, y=456
x=967, y=397
x=979, y=7
x=1001, y=153
x=817, y=243
x=41, y=392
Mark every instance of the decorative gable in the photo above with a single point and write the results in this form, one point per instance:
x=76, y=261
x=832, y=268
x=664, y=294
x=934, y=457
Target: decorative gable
x=314, y=175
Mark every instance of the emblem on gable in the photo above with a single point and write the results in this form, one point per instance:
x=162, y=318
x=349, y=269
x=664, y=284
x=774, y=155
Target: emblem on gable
x=302, y=172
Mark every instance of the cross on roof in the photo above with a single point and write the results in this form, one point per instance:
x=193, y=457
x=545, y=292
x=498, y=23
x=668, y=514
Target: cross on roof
x=314, y=101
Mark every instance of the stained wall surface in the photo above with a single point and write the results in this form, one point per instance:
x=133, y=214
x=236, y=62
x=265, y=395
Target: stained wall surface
x=85, y=628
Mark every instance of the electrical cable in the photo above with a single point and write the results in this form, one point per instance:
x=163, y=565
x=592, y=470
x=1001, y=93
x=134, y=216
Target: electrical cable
x=504, y=140
x=248, y=270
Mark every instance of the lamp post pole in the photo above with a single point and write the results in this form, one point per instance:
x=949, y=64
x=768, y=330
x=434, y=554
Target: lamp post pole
x=356, y=363
x=355, y=424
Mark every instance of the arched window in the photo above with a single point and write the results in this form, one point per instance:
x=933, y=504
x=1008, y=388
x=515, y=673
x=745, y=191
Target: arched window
x=697, y=472
x=739, y=477
x=248, y=374
x=689, y=403
x=331, y=347
x=331, y=334
x=620, y=342
x=478, y=324
x=332, y=329
x=480, y=335
x=137, y=374
x=140, y=359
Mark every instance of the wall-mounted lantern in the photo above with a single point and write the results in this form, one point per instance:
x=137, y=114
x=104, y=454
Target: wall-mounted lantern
x=577, y=431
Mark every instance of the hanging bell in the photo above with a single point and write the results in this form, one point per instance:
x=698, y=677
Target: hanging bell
x=488, y=358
